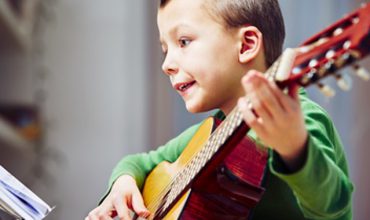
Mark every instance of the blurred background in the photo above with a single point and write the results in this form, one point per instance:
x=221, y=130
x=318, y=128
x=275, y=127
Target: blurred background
x=81, y=87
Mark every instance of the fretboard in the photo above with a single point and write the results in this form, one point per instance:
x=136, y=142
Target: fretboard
x=201, y=158
x=217, y=140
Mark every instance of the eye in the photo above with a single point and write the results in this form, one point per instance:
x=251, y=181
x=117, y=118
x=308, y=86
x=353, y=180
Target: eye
x=184, y=42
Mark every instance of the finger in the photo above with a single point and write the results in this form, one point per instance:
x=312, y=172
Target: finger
x=121, y=208
x=292, y=89
x=262, y=99
x=138, y=205
x=285, y=100
x=259, y=108
x=279, y=93
x=99, y=213
x=249, y=117
x=106, y=217
x=273, y=97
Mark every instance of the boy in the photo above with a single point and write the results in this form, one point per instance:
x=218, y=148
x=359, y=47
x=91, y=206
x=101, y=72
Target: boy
x=210, y=48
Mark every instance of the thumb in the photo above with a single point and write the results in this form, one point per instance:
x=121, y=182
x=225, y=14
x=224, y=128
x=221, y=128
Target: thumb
x=138, y=205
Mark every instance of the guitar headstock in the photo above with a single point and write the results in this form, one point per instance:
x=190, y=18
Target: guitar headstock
x=342, y=44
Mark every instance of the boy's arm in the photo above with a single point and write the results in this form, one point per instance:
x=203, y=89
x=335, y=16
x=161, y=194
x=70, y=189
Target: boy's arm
x=305, y=142
x=139, y=165
x=322, y=186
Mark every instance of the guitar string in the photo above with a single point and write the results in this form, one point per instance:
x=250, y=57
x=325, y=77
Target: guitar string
x=273, y=71
x=164, y=191
x=274, y=74
x=155, y=203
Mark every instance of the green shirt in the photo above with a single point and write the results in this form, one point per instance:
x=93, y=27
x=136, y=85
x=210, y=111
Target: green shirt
x=321, y=189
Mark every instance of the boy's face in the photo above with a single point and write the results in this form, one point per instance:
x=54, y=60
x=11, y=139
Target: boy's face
x=201, y=57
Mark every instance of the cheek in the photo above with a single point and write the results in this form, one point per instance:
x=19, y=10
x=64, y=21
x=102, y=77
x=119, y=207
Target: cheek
x=196, y=61
x=207, y=62
x=222, y=57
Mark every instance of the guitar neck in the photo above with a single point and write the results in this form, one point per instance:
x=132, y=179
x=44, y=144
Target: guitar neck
x=336, y=47
x=214, y=151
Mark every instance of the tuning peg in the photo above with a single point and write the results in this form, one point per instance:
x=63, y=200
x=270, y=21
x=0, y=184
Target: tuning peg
x=338, y=31
x=340, y=62
x=347, y=45
x=313, y=63
x=345, y=83
x=361, y=72
x=330, y=54
x=322, y=41
x=348, y=58
x=330, y=66
x=310, y=77
x=326, y=90
x=355, y=20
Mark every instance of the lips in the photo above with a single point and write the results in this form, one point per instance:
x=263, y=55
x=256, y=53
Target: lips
x=182, y=87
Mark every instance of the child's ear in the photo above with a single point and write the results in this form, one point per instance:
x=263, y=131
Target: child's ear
x=250, y=43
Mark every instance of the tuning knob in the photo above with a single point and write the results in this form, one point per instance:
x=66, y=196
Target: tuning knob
x=361, y=72
x=338, y=31
x=344, y=83
x=330, y=66
x=326, y=90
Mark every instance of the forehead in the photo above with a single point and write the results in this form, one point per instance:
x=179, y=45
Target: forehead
x=176, y=13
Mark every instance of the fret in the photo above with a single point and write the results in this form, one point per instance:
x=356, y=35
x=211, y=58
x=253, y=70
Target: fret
x=217, y=139
x=336, y=47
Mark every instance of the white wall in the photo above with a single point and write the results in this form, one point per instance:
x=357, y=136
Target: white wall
x=104, y=94
x=95, y=98
x=104, y=68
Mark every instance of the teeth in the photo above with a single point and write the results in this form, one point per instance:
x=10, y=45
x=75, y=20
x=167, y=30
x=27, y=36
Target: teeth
x=184, y=86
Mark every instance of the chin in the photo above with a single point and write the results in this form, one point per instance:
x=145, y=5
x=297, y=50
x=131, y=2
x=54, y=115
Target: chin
x=193, y=111
x=193, y=108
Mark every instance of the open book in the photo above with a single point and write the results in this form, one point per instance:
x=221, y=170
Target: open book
x=17, y=201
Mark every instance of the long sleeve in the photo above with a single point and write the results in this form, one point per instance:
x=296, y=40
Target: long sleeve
x=139, y=165
x=322, y=186
x=321, y=189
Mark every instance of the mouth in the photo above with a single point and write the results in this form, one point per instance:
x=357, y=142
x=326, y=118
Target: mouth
x=182, y=87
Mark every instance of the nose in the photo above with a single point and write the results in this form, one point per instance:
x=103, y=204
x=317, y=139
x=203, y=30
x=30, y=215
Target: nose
x=169, y=66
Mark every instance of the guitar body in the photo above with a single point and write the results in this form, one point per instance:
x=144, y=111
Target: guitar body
x=220, y=173
x=228, y=188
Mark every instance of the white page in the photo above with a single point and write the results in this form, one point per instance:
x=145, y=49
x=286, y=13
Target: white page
x=5, y=198
x=17, y=192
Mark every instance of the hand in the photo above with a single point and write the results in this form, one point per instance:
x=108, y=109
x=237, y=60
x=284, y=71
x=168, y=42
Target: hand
x=277, y=118
x=124, y=196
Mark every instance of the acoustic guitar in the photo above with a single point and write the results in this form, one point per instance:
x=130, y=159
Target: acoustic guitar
x=220, y=174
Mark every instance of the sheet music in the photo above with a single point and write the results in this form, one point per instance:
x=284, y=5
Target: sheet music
x=18, y=200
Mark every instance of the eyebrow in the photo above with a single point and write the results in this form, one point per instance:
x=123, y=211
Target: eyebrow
x=174, y=30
